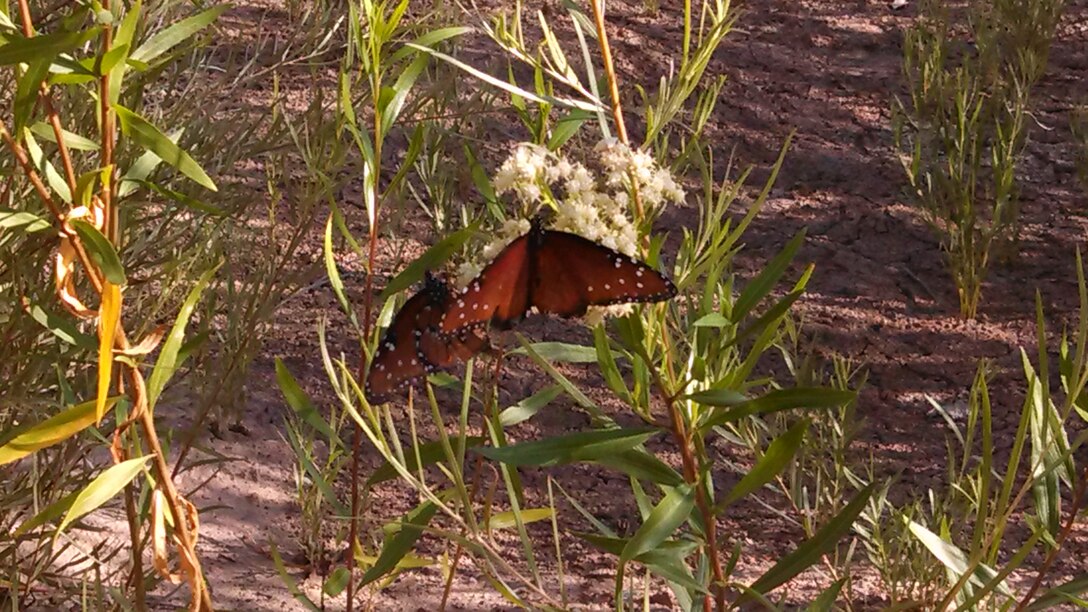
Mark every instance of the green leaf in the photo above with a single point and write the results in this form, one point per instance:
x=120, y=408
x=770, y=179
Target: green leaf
x=641, y=464
x=508, y=87
x=403, y=86
x=779, y=454
x=826, y=601
x=667, y=516
x=18, y=50
x=429, y=454
x=528, y=407
x=431, y=259
x=567, y=126
x=394, y=548
x=761, y=285
x=810, y=551
x=719, y=397
x=606, y=361
x=47, y=514
x=149, y=137
x=713, y=319
x=779, y=400
x=1066, y=592
x=581, y=446
x=101, y=251
x=333, y=272
x=27, y=90
x=300, y=402
x=168, y=361
x=430, y=39
x=180, y=198
x=53, y=430
x=666, y=560
x=28, y=222
x=163, y=41
x=336, y=582
x=61, y=327
x=289, y=582
x=953, y=558
x=561, y=352
x=102, y=489
x=142, y=168
x=71, y=139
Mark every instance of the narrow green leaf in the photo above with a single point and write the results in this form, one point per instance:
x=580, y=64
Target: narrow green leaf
x=149, y=137
x=641, y=464
x=403, y=86
x=61, y=327
x=18, y=219
x=431, y=259
x=27, y=90
x=289, y=582
x=163, y=41
x=719, y=397
x=713, y=319
x=71, y=139
x=142, y=168
x=53, y=430
x=667, y=516
x=168, y=361
x=101, y=251
x=566, y=127
x=1067, y=592
x=760, y=286
x=779, y=454
x=561, y=352
x=580, y=446
x=305, y=458
x=333, y=272
x=508, y=87
x=429, y=39
x=394, y=548
x=51, y=512
x=429, y=454
x=300, y=402
x=606, y=361
x=952, y=557
x=18, y=50
x=826, y=601
x=102, y=489
x=336, y=582
x=810, y=551
x=779, y=400
x=528, y=407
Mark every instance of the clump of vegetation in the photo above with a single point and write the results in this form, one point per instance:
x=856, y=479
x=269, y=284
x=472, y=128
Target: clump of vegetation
x=963, y=129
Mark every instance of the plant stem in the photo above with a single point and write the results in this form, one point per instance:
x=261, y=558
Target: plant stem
x=1078, y=499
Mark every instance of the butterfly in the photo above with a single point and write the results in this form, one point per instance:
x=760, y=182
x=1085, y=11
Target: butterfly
x=412, y=347
x=557, y=273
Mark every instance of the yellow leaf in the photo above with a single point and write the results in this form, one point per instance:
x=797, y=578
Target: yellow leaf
x=108, y=315
x=506, y=520
x=53, y=430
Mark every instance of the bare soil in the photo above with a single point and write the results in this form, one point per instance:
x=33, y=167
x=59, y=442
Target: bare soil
x=828, y=69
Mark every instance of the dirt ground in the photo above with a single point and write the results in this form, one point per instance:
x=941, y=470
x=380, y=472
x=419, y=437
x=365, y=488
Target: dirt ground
x=880, y=293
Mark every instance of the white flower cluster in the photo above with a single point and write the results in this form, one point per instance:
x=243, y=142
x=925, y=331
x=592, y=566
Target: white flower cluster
x=595, y=208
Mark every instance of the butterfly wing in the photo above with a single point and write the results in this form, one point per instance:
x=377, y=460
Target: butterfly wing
x=573, y=273
x=397, y=361
x=499, y=295
x=438, y=350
